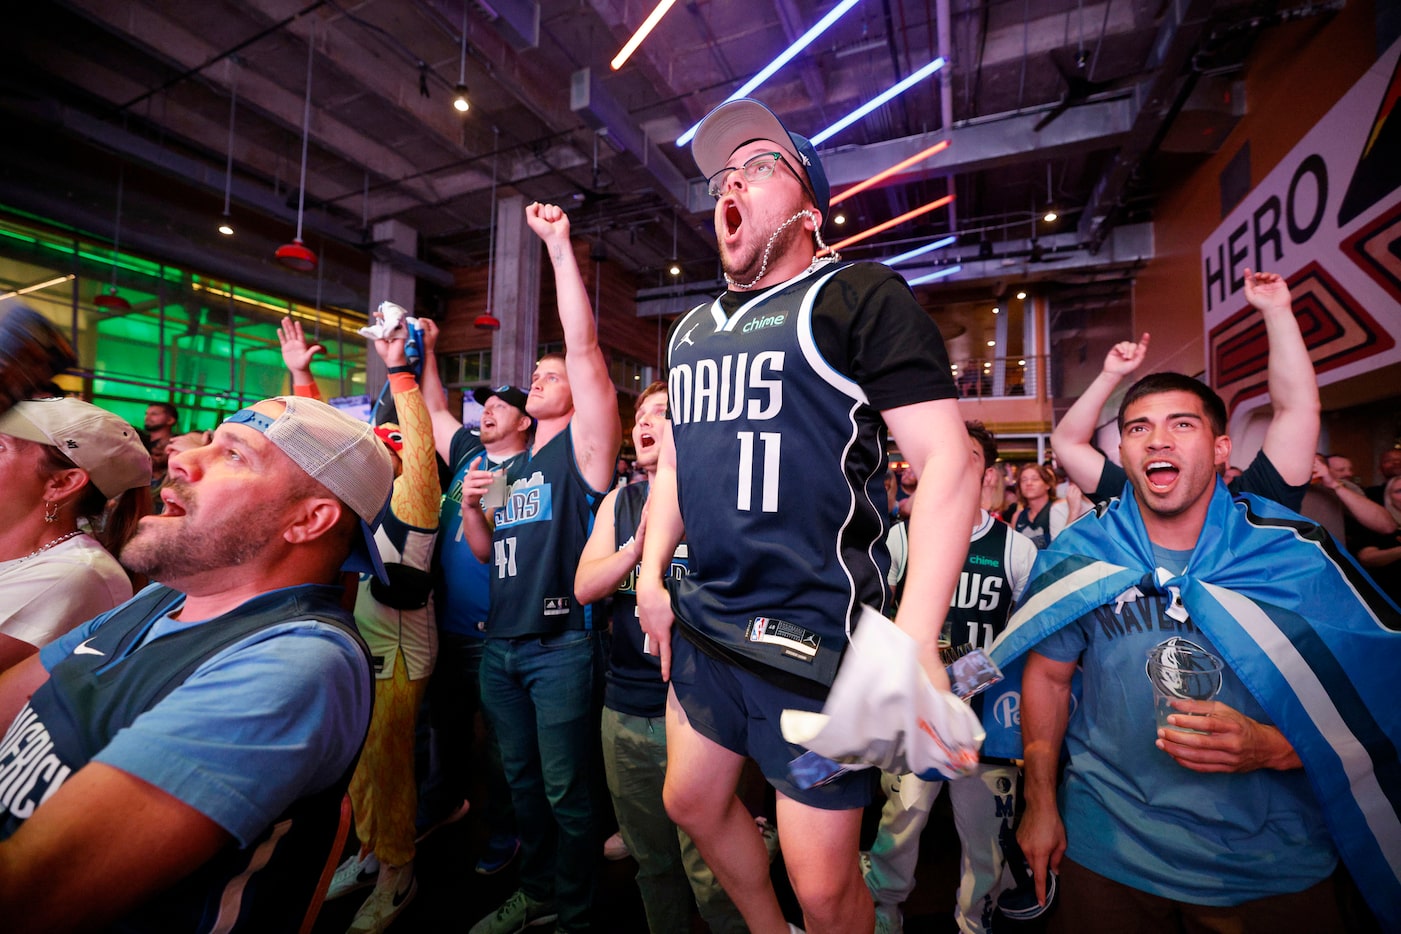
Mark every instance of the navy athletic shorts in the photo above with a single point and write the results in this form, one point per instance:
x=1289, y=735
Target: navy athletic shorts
x=740, y=711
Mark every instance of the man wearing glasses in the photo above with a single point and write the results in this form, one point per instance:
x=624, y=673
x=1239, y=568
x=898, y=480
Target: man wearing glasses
x=781, y=392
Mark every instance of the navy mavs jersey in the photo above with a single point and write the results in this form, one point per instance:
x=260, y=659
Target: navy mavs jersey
x=780, y=462
x=983, y=599
x=633, y=683
x=535, y=547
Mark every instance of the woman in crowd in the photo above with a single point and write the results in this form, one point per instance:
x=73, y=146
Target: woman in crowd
x=61, y=460
x=1039, y=516
x=1380, y=553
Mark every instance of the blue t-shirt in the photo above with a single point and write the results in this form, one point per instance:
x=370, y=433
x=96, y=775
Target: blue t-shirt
x=461, y=583
x=1141, y=819
x=237, y=754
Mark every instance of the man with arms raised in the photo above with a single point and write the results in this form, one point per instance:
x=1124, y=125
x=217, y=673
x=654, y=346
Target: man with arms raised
x=542, y=644
x=1284, y=465
x=177, y=764
x=781, y=392
x=1250, y=634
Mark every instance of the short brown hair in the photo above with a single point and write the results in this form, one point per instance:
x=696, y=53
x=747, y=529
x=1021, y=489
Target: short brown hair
x=979, y=433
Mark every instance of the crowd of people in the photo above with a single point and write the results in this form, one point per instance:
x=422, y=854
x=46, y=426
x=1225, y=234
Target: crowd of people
x=1192, y=730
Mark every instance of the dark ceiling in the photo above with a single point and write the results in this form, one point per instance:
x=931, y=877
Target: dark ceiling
x=1091, y=106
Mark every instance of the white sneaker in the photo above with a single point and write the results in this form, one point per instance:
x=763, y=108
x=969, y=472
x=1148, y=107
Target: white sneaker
x=396, y=887
x=355, y=873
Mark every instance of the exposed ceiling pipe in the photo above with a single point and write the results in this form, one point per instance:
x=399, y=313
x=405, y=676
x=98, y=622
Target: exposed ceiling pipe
x=1160, y=98
x=945, y=33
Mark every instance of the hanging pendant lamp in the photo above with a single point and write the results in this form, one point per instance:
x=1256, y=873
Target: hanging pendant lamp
x=110, y=300
x=225, y=227
x=295, y=255
x=460, y=101
x=486, y=321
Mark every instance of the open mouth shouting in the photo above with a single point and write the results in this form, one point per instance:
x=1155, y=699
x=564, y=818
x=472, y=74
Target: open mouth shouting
x=731, y=220
x=1161, y=475
x=645, y=440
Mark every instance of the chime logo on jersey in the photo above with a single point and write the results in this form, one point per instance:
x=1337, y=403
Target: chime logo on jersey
x=763, y=321
x=528, y=500
x=29, y=770
x=727, y=388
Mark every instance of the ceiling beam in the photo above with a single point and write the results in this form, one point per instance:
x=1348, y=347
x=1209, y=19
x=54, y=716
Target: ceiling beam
x=592, y=102
x=202, y=175
x=974, y=147
x=1130, y=246
x=1156, y=103
x=168, y=40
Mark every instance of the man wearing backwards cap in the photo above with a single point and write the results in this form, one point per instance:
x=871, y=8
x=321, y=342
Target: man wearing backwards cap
x=776, y=480
x=178, y=763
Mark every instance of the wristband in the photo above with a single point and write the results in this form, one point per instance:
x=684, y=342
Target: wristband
x=400, y=369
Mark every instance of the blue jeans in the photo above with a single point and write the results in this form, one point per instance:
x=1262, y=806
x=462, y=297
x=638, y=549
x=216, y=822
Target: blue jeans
x=539, y=693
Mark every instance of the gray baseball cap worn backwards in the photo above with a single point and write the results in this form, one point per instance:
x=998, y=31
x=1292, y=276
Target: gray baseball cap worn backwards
x=734, y=123
x=344, y=455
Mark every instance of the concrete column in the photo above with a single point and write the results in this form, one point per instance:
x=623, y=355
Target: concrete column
x=515, y=297
x=388, y=284
x=1000, y=363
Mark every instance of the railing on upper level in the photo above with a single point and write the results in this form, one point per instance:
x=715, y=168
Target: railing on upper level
x=997, y=377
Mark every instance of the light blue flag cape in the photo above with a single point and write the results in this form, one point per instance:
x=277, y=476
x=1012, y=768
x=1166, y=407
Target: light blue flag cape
x=1298, y=621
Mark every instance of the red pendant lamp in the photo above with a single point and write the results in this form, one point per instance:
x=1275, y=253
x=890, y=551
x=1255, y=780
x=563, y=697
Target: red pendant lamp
x=109, y=300
x=296, y=255
x=486, y=321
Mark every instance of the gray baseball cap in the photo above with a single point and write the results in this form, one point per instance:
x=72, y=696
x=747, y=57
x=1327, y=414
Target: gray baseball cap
x=734, y=123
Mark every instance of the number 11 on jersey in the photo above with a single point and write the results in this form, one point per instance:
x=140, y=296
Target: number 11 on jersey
x=768, y=477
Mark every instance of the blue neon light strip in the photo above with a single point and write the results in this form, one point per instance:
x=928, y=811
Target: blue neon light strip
x=884, y=96
x=947, y=271
x=920, y=251
x=768, y=71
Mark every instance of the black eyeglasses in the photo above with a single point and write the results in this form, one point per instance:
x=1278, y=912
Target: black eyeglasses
x=756, y=168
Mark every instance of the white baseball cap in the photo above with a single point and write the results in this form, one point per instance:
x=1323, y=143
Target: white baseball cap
x=102, y=444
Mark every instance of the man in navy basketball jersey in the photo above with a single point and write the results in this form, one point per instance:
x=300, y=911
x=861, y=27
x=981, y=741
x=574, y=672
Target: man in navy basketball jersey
x=781, y=394
x=669, y=869
x=997, y=570
x=537, y=672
